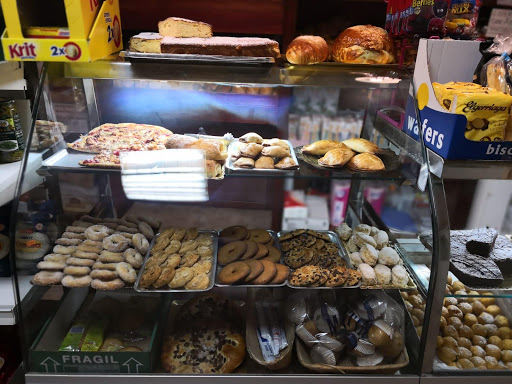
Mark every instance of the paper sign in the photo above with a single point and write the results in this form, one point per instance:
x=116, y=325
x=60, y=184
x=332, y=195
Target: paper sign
x=500, y=22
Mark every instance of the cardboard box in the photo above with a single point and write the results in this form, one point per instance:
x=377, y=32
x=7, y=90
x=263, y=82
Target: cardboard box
x=443, y=132
x=94, y=33
x=318, y=213
x=46, y=357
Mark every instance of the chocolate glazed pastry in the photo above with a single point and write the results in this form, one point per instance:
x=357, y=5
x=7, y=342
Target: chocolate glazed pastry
x=481, y=241
x=473, y=270
x=502, y=254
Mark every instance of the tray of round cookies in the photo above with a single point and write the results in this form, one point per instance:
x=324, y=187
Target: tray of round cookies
x=317, y=260
x=180, y=260
x=250, y=258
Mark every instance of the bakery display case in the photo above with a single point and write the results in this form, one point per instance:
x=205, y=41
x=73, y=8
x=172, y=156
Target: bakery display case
x=162, y=244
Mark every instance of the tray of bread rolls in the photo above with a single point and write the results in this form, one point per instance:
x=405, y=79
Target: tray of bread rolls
x=248, y=263
x=180, y=260
x=251, y=154
x=317, y=260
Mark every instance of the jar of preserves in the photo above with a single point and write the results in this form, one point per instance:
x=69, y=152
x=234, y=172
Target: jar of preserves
x=12, y=144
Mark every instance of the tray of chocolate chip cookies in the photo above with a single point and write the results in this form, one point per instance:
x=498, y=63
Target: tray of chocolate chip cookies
x=180, y=260
x=317, y=260
x=250, y=258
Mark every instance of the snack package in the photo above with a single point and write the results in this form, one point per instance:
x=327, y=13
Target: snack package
x=462, y=18
x=95, y=335
x=389, y=16
x=73, y=339
x=425, y=18
x=487, y=114
x=497, y=72
x=445, y=92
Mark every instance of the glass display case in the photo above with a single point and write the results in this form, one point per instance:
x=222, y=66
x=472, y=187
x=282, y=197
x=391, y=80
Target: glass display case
x=140, y=249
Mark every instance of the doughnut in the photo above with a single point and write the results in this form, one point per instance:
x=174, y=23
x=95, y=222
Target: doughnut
x=158, y=259
x=125, y=234
x=189, y=259
x=205, y=252
x=132, y=219
x=64, y=241
x=86, y=255
x=262, y=251
x=146, y=230
x=154, y=223
x=150, y=275
x=191, y=234
x=79, y=262
x=90, y=219
x=173, y=247
x=64, y=250
x=115, y=243
x=110, y=257
x=256, y=267
x=198, y=283
x=74, y=270
x=82, y=224
x=282, y=272
x=181, y=277
x=89, y=248
x=178, y=234
x=47, y=278
x=168, y=233
x=173, y=261
x=124, y=228
x=202, y=266
x=111, y=226
x=234, y=272
x=92, y=243
x=51, y=265
x=204, y=240
x=252, y=249
x=133, y=257
x=234, y=233
x=104, y=266
x=103, y=274
x=260, y=236
x=55, y=257
x=161, y=243
x=274, y=254
x=140, y=243
x=75, y=229
x=97, y=232
x=107, y=285
x=231, y=252
x=187, y=246
x=165, y=277
x=126, y=272
x=75, y=282
x=73, y=235
x=269, y=272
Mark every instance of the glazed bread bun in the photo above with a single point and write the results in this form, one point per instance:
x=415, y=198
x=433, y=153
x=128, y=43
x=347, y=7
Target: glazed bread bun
x=307, y=50
x=363, y=44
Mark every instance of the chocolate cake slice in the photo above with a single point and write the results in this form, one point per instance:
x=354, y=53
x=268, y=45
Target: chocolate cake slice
x=481, y=241
x=473, y=270
x=502, y=255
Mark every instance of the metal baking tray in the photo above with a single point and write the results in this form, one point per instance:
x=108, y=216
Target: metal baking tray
x=194, y=58
x=211, y=274
x=232, y=168
x=411, y=286
x=67, y=160
x=281, y=261
x=334, y=238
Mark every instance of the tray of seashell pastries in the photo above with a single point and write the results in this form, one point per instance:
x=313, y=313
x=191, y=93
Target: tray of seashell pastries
x=379, y=261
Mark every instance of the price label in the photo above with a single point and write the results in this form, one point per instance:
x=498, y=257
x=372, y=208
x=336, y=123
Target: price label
x=500, y=22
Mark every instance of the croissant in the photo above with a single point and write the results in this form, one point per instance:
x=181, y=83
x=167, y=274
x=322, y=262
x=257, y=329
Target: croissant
x=275, y=151
x=361, y=145
x=264, y=162
x=321, y=147
x=366, y=162
x=307, y=50
x=244, y=162
x=337, y=157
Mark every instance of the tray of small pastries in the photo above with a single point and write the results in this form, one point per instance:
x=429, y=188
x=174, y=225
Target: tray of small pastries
x=317, y=260
x=180, y=260
x=252, y=154
x=250, y=258
x=354, y=155
x=379, y=262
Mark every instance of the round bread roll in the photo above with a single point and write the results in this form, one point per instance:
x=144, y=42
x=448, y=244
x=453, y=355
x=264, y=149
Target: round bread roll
x=464, y=342
x=479, y=329
x=477, y=350
x=363, y=44
x=307, y=50
x=450, y=330
x=493, y=350
x=450, y=342
x=458, y=286
x=447, y=355
x=501, y=321
x=465, y=331
x=493, y=310
x=478, y=307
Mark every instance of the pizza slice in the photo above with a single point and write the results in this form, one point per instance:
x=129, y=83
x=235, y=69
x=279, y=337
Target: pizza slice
x=104, y=159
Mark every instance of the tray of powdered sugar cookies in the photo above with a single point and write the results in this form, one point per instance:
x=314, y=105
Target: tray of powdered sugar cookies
x=379, y=262
x=181, y=259
x=104, y=253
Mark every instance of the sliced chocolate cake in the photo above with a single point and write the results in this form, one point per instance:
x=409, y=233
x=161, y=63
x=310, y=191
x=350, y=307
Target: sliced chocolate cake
x=502, y=255
x=473, y=270
x=481, y=241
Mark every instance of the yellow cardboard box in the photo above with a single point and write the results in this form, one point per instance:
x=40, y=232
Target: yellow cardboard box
x=93, y=34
